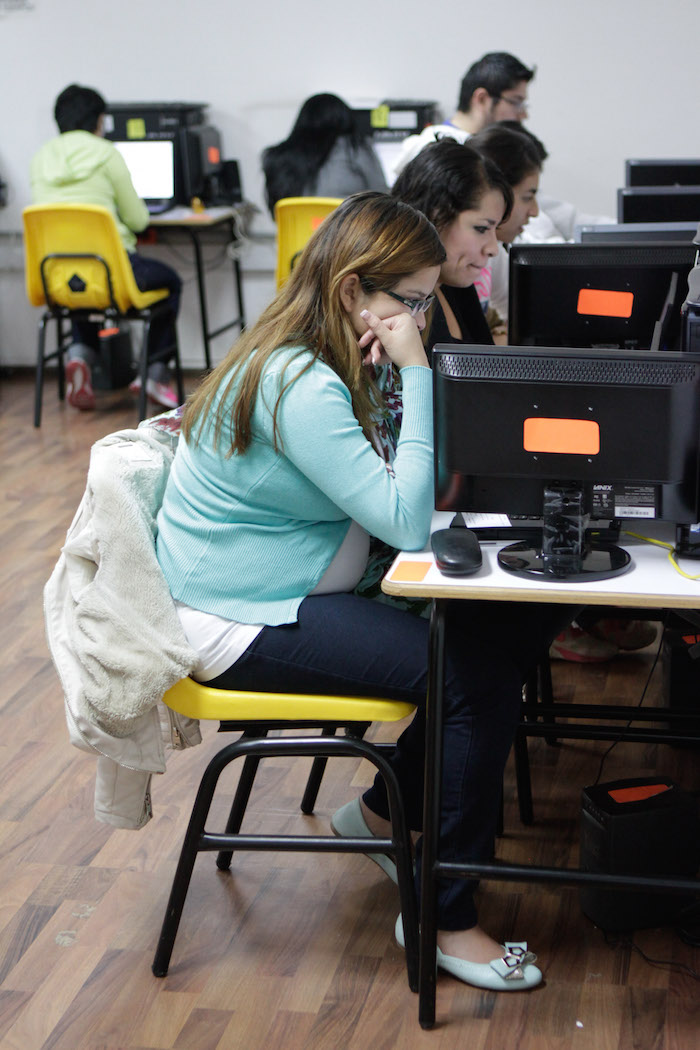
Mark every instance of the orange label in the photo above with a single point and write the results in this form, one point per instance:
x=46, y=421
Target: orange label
x=600, y=303
x=580, y=436
x=214, y=155
x=639, y=793
x=411, y=571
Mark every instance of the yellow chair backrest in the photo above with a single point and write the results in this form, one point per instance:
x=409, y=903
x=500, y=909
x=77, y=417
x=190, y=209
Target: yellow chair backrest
x=79, y=284
x=297, y=218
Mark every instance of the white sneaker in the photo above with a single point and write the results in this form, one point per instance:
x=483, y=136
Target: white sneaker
x=79, y=390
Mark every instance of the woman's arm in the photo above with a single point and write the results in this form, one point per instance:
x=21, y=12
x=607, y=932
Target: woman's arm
x=322, y=438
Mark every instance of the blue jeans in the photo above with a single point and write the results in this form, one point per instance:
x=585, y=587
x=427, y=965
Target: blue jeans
x=148, y=274
x=346, y=644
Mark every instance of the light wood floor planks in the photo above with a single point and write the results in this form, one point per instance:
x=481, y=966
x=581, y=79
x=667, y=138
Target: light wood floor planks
x=286, y=950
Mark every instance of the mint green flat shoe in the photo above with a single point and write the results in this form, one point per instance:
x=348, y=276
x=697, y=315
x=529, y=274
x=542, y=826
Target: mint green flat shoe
x=514, y=972
x=348, y=820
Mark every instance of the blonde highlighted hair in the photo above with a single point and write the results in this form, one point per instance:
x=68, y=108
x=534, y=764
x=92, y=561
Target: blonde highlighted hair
x=380, y=239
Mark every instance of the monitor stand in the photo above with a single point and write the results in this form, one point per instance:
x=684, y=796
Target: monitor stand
x=565, y=552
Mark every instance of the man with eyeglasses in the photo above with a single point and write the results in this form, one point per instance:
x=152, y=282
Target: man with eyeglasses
x=492, y=89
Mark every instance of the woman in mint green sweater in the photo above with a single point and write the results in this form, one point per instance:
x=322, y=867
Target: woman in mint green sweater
x=279, y=482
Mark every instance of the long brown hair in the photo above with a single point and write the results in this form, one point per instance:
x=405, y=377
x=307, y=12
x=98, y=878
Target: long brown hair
x=380, y=239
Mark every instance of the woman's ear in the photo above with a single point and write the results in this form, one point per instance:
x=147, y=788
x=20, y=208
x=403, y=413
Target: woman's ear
x=350, y=291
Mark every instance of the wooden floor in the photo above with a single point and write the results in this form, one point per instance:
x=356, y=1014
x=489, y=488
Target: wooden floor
x=285, y=950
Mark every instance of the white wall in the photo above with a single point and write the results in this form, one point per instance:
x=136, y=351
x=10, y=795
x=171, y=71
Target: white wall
x=616, y=78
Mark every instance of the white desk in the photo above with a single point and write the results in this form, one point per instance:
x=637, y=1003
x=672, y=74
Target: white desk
x=650, y=582
x=193, y=224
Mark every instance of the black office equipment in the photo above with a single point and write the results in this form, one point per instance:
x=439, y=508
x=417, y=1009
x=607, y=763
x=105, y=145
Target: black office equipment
x=567, y=433
x=171, y=151
x=690, y=310
x=680, y=662
x=683, y=171
x=636, y=233
x=597, y=295
x=658, y=204
x=225, y=187
x=645, y=826
x=457, y=551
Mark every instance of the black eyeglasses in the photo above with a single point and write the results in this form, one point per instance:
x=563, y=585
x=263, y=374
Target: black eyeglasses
x=416, y=306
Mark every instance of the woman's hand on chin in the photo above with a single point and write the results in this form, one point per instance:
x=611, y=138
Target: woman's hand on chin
x=395, y=339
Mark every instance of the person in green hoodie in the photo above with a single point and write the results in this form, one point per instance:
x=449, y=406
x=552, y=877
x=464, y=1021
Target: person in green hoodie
x=80, y=166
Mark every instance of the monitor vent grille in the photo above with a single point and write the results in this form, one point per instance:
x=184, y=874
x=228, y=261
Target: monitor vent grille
x=613, y=255
x=537, y=368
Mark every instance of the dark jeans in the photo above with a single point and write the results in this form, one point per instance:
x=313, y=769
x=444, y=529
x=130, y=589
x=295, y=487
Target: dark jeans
x=148, y=274
x=346, y=644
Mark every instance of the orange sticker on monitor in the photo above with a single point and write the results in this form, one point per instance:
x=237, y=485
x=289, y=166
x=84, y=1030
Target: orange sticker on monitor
x=578, y=436
x=214, y=155
x=598, y=302
x=639, y=793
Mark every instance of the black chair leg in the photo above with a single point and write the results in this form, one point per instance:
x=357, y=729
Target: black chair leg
x=546, y=691
x=143, y=370
x=522, y=777
x=185, y=866
x=318, y=768
x=179, y=379
x=63, y=340
x=39, y=377
x=240, y=800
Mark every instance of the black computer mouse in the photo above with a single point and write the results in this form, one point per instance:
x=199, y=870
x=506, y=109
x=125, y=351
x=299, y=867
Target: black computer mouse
x=457, y=551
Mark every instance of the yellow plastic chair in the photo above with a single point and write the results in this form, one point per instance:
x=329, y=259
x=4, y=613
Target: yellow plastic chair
x=254, y=715
x=76, y=266
x=297, y=218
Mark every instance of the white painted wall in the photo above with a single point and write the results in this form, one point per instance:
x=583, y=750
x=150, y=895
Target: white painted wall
x=616, y=78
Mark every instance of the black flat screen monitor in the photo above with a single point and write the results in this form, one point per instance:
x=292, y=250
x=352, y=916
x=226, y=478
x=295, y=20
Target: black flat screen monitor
x=598, y=295
x=566, y=433
x=682, y=171
x=637, y=233
x=658, y=204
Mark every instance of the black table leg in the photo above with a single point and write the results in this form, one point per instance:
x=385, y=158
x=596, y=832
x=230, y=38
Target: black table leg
x=431, y=816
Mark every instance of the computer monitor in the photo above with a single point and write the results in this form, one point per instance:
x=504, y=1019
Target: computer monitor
x=636, y=233
x=662, y=172
x=658, y=204
x=597, y=295
x=151, y=164
x=563, y=434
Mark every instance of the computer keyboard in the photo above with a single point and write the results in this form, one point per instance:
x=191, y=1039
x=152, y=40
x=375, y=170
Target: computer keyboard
x=158, y=207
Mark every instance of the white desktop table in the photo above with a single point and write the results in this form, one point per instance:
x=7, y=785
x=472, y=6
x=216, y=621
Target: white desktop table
x=650, y=582
x=193, y=224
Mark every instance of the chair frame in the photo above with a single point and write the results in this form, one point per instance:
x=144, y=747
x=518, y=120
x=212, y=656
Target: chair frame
x=253, y=746
x=63, y=315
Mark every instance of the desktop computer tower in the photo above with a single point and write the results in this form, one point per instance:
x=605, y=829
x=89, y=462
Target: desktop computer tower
x=195, y=149
x=643, y=826
x=681, y=675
